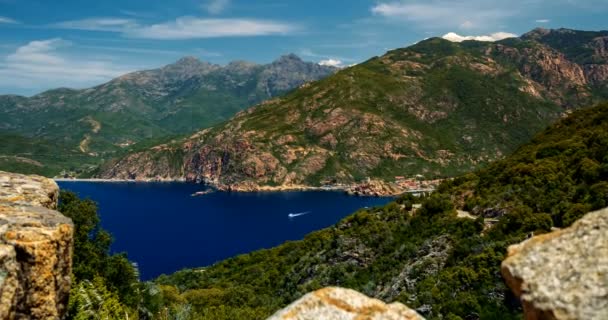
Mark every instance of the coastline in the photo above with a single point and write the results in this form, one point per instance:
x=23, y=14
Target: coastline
x=352, y=190
x=112, y=180
x=220, y=188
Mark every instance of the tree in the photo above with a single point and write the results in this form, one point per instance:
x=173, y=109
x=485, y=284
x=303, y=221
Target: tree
x=94, y=270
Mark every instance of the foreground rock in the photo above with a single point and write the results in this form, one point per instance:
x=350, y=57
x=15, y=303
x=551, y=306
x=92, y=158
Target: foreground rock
x=35, y=249
x=343, y=304
x=563, y=275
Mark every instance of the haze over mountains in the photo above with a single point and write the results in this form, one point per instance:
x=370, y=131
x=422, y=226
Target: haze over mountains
x=92, y=124
x=437, y=108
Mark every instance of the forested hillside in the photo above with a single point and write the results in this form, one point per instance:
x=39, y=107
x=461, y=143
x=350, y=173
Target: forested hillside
x=435, y=259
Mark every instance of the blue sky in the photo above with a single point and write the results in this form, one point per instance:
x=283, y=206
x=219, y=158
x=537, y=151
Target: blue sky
x=76, y=43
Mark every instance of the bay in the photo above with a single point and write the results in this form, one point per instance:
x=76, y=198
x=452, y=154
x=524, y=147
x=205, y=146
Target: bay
x=164, y=229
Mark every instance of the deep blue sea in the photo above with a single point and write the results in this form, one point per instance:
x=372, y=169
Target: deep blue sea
x=164, y=229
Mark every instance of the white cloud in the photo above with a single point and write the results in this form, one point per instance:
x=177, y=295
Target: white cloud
x=98, y=24
x=331, y=63
x=325, y=59
x=42, y=64
x=196, y=28
x=543, y=21
x=182, y=27
x=38, y=52
x=465, y=14
x=7, y=20
x=479, y=15
x=454, y=37
x=216, y=6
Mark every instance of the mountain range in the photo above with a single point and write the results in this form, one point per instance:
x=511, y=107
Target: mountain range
x=436, y=109
x=94, y=124
x=522, y=112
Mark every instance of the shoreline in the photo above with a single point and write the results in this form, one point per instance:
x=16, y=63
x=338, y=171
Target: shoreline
x=111, y=180
x=211, y=186
x=261, y=189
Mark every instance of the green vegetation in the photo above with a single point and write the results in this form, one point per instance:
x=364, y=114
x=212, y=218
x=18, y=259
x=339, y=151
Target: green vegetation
x=74, y=130
x=446, y=267
x=53, y=158
x=104, y=286
x=444, y=116
x=40, y=156
x=436, y=108
x=573, y=43
x=563, y=172
x=449, y=267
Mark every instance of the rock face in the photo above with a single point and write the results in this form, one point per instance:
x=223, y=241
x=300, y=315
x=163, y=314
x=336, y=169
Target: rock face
x=563, y=275
x=374, y=188
x=343, y=304
x=35, y=249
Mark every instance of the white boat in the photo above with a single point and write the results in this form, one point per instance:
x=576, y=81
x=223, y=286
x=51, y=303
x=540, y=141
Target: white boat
x=293, y=215
x=201, y=193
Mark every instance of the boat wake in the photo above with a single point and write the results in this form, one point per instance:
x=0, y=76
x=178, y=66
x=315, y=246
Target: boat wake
x=201, y=193
x=293, y=215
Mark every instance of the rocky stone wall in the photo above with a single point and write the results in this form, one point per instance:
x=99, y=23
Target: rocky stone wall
x=35, y=249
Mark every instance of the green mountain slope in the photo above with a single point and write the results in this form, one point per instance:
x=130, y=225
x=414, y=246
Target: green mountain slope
x=436, y=108
x=443, y=263
x=579, y=46
x=102, y=121
x=38, y=156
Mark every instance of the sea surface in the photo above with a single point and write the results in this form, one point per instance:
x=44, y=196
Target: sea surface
x=164, y=229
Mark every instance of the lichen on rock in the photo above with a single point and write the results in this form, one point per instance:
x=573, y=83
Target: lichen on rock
x=35, y=249
x=563, y=275
x=28, y=190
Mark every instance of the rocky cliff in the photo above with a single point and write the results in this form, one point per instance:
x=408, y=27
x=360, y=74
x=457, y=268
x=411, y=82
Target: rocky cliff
x=563, y=275
x=436, y=108
x=35, y=249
